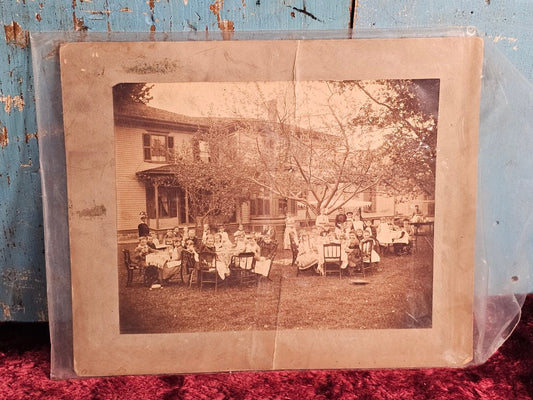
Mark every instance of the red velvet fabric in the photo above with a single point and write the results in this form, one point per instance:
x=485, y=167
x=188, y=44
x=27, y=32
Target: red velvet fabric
x=25, y=367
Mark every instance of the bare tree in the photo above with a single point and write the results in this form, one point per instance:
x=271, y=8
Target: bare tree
x=387, y=141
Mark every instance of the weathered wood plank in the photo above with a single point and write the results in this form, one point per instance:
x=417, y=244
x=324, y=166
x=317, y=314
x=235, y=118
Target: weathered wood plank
x=22, y=287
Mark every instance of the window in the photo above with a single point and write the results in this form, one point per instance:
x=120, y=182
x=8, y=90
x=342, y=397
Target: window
x=260, y=207
x=157, y=147
x=287, y=206
x=168, y=199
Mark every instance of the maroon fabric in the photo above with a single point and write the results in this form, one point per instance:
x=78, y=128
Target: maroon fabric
x=25, y=366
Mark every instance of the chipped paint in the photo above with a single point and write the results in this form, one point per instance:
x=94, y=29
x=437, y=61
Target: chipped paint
x=353, y=13
x=15, y=35
x=79, y=25
x=96, y=211
x=38, y=17
x=29, y=136
x=215, y=8
x=4, y=140
x=12, y=102
x=497, y=39
x=28, y=165
x=226, y=26
x=98, y=12
x=304, y=11
x=151, y=4
x=125, y=9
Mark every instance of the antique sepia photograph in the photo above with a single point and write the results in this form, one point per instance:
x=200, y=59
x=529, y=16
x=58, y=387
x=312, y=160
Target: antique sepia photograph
x=271, y=204
x=275, y=205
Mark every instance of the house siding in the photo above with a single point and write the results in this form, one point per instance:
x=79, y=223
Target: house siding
x=131, y=193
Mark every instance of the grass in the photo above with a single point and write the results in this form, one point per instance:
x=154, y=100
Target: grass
x=398, y=296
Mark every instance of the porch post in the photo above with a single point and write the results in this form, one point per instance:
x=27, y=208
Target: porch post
x=156, y=196
x=186, y=206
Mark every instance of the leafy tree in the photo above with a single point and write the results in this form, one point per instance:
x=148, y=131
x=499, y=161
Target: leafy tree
x=127, y=93
x=406, y=111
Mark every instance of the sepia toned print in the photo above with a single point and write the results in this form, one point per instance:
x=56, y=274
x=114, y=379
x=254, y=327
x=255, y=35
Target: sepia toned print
x=305, y=181
x=261, y=205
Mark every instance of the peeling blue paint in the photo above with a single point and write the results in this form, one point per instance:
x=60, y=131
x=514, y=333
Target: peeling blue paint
x=22, y=276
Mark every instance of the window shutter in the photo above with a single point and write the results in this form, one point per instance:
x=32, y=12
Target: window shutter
x=146, y=140
x=147, y=147
x=170, y=142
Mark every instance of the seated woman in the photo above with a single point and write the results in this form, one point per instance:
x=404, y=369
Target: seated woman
x=154, y=243
x=223, y=249
x=402, y=241
x=384, y=233
x=141, y=251
x=307, y=253
x=367, y=246
x=239, y=246
x=208, y=248
x=239, y=232
x=173, y=266
x=189, y=256
x=352, y=250
x=206, y=231
x=224, y=236
x=340, y=226
x=267, y=251
x=169, y=238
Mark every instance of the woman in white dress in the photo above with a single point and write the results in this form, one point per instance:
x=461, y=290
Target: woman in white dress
x=307, y=253
x=290, y=227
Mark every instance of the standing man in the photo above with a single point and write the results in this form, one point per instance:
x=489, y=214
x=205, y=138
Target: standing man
x=144, y=229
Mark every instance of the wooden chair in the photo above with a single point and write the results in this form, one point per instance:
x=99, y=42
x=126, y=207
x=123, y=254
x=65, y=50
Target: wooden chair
x=207, y=269
x=130, y=266
x=367, y=246
x=243, y=265
x=270, y=258
x=188, y=267
x=332, y=259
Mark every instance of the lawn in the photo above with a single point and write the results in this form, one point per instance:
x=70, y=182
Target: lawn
x=398, y=295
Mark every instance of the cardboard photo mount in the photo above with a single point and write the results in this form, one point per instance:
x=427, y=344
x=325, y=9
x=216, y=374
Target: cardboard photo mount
x=88, y=73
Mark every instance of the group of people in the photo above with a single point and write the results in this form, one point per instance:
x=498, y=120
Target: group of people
x=183, y=248
x=361, y=241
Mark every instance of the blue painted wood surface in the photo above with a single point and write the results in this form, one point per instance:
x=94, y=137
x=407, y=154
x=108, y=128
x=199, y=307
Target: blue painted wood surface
x=22, y=272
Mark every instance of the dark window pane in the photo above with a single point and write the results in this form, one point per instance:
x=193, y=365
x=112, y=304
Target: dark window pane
x=150, y=202
x=266, y=202
x=147, y=153
x=146, y=140
x=253, y=210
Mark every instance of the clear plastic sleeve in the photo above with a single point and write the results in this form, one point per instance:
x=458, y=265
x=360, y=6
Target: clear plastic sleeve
x=503, y=222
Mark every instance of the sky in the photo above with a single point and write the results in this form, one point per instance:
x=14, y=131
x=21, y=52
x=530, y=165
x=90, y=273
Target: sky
x=309, y=104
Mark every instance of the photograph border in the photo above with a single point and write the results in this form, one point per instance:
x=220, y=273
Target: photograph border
x=88, y=73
